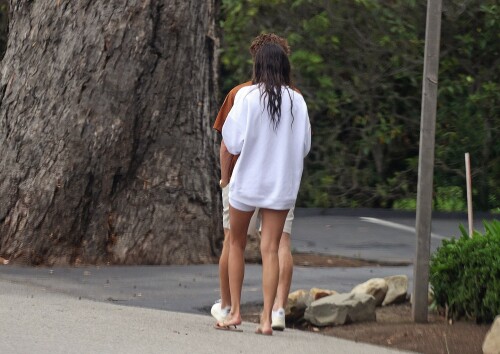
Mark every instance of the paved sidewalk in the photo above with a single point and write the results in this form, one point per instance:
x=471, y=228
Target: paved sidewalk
x=34, y=320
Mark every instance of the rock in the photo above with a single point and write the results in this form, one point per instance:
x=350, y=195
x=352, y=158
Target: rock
x=299, y=300
x=430, y=297
x=296, y=305
x=491, y=344
x=317, y=293
x=341, y=308
x=397, y=289
x=377, y=287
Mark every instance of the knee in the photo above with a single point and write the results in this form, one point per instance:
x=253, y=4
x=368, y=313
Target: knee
x=266, y=249
x=269, y=247
x=238, y=241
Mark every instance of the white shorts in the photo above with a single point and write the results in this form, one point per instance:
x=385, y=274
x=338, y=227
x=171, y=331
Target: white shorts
x=252, y=228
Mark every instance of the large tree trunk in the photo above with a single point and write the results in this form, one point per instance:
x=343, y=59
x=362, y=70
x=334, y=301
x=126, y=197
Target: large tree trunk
x=107, y=151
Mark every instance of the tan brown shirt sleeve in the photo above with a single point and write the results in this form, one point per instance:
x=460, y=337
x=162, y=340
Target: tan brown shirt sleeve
x=219, y=123
x=227, y=105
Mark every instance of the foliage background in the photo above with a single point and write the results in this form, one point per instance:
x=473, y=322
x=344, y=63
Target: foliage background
x=359, y=66
x=4, y=24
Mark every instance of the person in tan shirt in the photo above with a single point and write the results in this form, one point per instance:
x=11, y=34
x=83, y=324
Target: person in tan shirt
x=221, y=310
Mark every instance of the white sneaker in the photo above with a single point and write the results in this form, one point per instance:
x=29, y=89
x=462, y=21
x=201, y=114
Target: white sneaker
x=278, y=320
x=218, y=312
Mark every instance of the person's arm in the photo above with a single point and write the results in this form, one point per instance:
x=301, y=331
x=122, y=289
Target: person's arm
x=232, y=137
x=225, y=164
x=225, y=156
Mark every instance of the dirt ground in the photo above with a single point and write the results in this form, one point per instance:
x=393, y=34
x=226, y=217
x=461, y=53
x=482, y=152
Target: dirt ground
x=318, y=260
x=394, y=327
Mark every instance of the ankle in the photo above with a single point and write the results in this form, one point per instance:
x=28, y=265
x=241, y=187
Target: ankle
x=265, y=318
x=226, y=310
x=277, y=307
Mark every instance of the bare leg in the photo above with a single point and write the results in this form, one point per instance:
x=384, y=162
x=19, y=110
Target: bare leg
x=239, y=221
x=272, y=227
x=223, y=271
x=285, y=272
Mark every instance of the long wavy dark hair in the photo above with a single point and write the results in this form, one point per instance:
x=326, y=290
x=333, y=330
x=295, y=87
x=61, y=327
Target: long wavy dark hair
x=271, y=71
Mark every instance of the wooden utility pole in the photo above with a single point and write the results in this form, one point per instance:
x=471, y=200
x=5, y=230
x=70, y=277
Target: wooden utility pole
x=426, y=161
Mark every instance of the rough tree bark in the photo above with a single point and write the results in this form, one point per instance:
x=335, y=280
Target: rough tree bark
x=106, y=147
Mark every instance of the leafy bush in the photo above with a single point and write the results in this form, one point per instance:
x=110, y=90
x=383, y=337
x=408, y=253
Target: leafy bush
x=465, y=274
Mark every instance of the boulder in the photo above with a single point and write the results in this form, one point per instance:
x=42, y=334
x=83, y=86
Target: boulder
x=430, y=297
x=339, y=309
x=317, y=293
x=491, y=344
x=296, y=305
x=397, y=289
x=376, y=287
x=300, y=299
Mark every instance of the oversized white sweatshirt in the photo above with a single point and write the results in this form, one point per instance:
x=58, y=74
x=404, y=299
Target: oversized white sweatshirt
x=268, y=171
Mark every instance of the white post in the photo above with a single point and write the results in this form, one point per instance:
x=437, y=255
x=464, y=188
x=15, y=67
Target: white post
x=469, y=193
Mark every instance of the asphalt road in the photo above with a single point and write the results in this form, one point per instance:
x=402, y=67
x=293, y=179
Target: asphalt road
x=191, y=289
x=381, y=235
x=368, y=234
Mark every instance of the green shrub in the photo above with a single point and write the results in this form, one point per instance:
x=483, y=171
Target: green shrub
x=465, y=274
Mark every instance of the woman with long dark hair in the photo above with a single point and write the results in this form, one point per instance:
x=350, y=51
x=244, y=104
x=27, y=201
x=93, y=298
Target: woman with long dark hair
x=269, y=128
